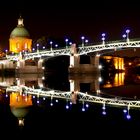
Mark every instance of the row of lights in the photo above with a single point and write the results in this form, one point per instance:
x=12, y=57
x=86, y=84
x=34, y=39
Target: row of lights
x=56, y=45
x=66, y=42
x=83, y=39
x=85, y=106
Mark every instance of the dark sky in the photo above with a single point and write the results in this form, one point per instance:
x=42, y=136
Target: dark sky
x=70, y=18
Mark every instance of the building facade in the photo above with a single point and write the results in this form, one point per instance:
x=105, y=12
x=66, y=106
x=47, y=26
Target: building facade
x=20, y=39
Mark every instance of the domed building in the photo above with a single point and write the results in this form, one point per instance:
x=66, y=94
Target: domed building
x=20, y=106
x=20, y=38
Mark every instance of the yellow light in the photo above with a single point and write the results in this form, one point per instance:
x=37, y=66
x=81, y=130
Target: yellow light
x=21, y=122
x=129, y=63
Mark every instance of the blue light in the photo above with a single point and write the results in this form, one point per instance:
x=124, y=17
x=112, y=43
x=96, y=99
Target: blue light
x=87, y=105
x=38, y=101
x=70, y=103
x=51, y=42
x=56, y=45
x=127, y=31
x=103, y=34
x=124, y=35
x=128, y=116
x=86, y=41
x=125, y=110
x=83, y=109
x=6, y=95
x=82, y=37
x=33, y=96
x=66, y=40
x=51, y=104
x=104, y=112
x=103, y=38
x=67, y=107
x=103, y=107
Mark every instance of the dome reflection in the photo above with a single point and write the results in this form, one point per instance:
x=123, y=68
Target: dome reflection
x=20, y=105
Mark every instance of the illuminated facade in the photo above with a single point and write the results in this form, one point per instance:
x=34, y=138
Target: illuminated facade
x=118, y=62
x=19, y=104
x=19, y=39
x=118, y=80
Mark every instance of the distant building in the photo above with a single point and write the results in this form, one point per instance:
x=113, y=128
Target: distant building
x=20, y=39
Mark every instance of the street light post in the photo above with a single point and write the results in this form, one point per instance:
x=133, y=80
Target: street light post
x=70, y=43
x=37, y=47
x=66, y=40
x=56, y=45
x=83, y=38
x=6, y=52
x=127, y=35
x=33, y=49
x=103, y=38
x=124, y=36
x=51, y=44
x=43, y=47
x=86, y=41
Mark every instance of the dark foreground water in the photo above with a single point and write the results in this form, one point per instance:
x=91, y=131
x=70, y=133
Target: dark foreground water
x=44, y=119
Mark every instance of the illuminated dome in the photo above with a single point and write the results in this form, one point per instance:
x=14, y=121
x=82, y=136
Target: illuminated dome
x=19, y=32
x=20, y=38
x=20, y=112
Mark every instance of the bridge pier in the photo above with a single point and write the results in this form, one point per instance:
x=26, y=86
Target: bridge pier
x=29, y=66
x=77, y=68
x=7, y=67
x=24, y=80
x=22, y=66
x=77, y=80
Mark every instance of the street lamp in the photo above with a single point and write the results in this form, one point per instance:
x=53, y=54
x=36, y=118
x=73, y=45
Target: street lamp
x=86, y=41
x=33, y=49
x=70, y=43
x=127, y=35
x=6, y=51
x=124, y=36
x=83, y=38
x=103, y=38
x=37, y=47
x=51, y=44
x=66, y=40
x=56, y=45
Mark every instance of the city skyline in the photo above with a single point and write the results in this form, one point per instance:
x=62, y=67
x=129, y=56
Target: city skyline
x=70, y=20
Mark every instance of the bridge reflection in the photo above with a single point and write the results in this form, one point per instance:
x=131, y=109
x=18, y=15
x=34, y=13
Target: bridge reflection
x=20, y=92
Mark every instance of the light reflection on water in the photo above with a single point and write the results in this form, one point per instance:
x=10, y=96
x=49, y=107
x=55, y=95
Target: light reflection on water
x=119, y=85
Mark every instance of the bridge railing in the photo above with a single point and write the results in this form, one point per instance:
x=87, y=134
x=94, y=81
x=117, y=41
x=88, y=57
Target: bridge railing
x=109, y=42
x=63, y=50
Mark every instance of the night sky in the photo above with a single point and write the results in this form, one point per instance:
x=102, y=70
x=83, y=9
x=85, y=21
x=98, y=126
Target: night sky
x=70, y=19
